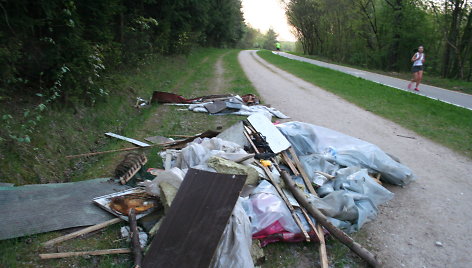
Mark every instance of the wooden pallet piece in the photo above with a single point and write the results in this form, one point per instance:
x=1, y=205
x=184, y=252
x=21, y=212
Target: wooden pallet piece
x=192, y=228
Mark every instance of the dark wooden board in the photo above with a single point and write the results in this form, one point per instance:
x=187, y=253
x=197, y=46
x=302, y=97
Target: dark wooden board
x=190, y=233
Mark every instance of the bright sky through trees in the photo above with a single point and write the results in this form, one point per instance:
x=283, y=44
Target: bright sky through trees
x=263, y=14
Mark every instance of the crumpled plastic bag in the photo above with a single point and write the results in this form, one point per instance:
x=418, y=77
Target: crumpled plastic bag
x=173, y=176
x=265, y=207
x=197, y=153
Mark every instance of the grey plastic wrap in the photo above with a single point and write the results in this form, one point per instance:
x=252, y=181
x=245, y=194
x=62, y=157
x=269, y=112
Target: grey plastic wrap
x=234, y=248
x=353, y=200
x=345, y=150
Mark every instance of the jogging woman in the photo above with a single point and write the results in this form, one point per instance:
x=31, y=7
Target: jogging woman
x=417, y=69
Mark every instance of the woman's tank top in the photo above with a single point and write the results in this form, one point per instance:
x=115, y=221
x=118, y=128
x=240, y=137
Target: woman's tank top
x=419, y=61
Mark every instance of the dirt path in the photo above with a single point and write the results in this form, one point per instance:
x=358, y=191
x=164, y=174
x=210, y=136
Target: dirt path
x=218, y=82
x=435, y=208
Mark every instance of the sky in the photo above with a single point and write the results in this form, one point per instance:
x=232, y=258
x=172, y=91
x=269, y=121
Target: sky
x=263, y=14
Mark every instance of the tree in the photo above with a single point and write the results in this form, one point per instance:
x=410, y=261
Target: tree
x=270, y=39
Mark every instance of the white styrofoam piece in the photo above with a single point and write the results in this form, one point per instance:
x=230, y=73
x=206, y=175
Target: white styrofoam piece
x=274, y=137
x=133, y=141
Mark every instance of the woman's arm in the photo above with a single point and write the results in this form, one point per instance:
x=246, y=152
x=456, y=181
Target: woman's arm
x=424, y=58
x=414, y=57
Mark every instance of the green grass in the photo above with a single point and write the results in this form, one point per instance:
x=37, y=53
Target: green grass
x=438, y=121
x=64, y=132
x=428, y=79
x=306, y=255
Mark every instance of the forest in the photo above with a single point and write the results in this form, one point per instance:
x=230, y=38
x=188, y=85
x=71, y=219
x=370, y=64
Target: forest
x=60, y=50
x=384, y=34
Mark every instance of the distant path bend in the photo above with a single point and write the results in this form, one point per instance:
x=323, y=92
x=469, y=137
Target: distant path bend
x=448, y=96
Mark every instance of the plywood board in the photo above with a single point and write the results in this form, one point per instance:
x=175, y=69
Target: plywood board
x=190, y=233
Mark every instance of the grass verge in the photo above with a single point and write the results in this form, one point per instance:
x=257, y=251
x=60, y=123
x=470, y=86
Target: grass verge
x=428, y=79
x=438, y=121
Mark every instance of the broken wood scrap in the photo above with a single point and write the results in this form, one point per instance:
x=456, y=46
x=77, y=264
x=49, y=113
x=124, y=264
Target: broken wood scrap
x=81, y=232
x=318, y=229
x=194, y=224
x=122, y=150
x=129, y=166
x=45, y=256
x=289, y=162
x=320, y=234
x=134, y=233
x=321, y=219
x=182, y=143
x=297, y=169
x=330, y=177
x=408, y=137
x=305, y=177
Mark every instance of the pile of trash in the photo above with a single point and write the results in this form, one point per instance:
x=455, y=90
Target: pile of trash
x=221, y=196
x=219, y=104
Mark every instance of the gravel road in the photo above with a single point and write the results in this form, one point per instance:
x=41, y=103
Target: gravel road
x=429, y=222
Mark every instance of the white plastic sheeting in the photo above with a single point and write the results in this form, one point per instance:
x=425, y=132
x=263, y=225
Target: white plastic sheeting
x=308, y=139
x=234, y=248
x=245, y=110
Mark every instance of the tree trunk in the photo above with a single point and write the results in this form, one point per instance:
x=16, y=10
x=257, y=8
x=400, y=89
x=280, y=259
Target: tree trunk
x=451, y=39
x=397, y=25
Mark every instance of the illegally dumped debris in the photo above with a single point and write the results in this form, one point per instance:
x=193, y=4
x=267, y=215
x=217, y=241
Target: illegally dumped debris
x=218, y=192
x=219, y=104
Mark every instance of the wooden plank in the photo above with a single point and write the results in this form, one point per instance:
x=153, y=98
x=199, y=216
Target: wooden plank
x=302, y=172
x=319, y=229
x=192, y=228
x=322, y=248
x=289, y=162
x=133, y=141
x=84, y=253
x=81, y=232
x=134, y=233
